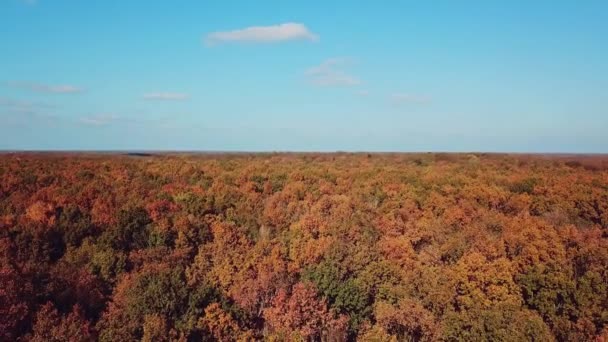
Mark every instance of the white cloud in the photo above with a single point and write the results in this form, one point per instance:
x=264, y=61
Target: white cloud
x=263, y=34
x=11, y=105
x=98, y=120
x=403, y=98
x=166, y=96
x=46, y=88
x=105, y=119
x=26, y=113
x=330, y=74
x=15, y=106
x=362, y=92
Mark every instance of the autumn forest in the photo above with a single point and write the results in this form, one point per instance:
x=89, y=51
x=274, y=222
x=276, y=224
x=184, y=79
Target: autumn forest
x=303, y=247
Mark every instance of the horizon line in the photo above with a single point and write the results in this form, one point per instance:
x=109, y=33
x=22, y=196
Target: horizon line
x=183, y=151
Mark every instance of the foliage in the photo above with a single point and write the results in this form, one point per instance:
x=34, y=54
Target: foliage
x=311, y=247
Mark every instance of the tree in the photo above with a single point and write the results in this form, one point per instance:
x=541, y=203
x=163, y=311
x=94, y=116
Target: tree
x=301, y=315
x=220, y=325
x=407, y=320
x=50, y=326
x=14, y=308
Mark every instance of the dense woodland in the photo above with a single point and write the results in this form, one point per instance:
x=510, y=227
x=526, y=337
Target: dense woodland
x=303, y=247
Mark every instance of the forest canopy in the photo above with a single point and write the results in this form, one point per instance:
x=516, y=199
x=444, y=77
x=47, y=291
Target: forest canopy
x=310, y=247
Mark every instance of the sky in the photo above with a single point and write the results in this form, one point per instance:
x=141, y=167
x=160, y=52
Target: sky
x=488, y=76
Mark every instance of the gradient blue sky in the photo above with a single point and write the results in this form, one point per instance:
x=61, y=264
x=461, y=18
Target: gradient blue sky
x=518, y=76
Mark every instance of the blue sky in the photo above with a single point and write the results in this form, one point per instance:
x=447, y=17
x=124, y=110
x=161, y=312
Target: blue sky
x=513, y=76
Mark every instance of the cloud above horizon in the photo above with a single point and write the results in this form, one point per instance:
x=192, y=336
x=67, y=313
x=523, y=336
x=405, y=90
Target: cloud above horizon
x=404, y=98
x=16, y=106
x=164, y=96
x=330, y=73
x=263, y=34
x=46, y=88
x=98, y=120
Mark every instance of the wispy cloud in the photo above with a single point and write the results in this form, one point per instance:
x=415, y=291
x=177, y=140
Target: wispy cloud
x=107, y=119
x=98, y=120
x=163, y=96
x=362, y=92
x=28, y=118
x=12, y=105
x=263, y=34
x=405, y=98
x=48, y=120
x=16, y=112
x=46, y=88
x=330, y=73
